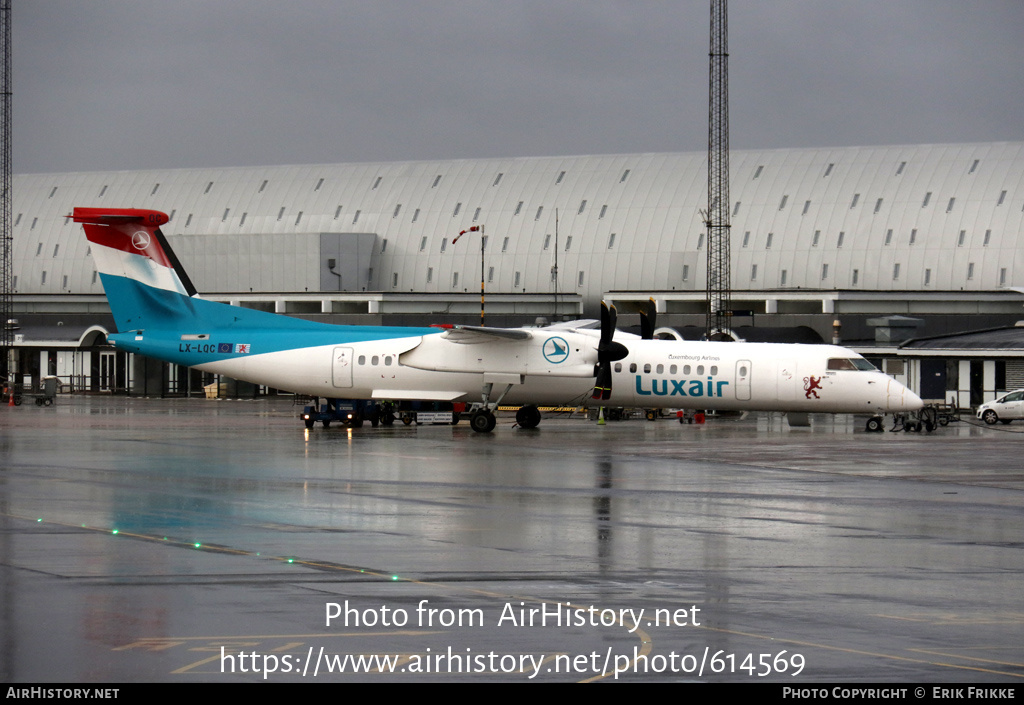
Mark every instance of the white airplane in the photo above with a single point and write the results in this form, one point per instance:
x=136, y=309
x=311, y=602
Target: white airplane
x=159, y=314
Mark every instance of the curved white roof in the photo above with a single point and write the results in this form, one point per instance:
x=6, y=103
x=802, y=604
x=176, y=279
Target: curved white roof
x=898, y=218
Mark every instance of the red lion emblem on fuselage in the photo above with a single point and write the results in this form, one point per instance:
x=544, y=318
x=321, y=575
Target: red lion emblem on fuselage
x=810, y=384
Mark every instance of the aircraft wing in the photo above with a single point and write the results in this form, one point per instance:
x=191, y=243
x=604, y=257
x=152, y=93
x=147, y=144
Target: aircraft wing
x=468, y=335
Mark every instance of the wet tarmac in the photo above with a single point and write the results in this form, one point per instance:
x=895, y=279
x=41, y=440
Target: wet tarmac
x=202, y=540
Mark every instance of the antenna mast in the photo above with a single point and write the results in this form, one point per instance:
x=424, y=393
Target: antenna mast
x=7, y=363
x=718, y=227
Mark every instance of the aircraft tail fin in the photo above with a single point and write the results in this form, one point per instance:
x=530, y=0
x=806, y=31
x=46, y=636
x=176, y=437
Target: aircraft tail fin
x=144, y=281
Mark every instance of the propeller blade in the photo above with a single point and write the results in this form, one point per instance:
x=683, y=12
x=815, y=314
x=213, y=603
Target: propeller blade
x=608, y=351
x=648, y=318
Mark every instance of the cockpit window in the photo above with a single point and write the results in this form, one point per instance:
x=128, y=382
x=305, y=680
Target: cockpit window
x=852, y=363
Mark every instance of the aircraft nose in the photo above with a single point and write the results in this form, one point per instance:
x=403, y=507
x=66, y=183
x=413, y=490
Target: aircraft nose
x=911, y=402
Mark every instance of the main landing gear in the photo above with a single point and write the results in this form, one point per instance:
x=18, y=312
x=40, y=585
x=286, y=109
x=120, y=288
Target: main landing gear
x=481, y=417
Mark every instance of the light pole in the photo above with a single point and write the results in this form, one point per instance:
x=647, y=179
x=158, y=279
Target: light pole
x=483, y=241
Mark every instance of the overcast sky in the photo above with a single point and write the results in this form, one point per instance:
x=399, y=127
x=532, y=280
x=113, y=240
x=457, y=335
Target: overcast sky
x=139, y=84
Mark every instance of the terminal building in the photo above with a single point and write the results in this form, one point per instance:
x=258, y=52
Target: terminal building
x=892, y=243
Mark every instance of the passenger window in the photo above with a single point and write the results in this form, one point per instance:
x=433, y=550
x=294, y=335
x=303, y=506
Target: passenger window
x=632, y=367
x=618, y=367
x=362, y=359
x=700, y=369
x=387, y=360
x=743, y=370
x=714, y=370
x=374, y=360
x=686, y=369
x=672, y=370
x=660, y=369
x=647, y=369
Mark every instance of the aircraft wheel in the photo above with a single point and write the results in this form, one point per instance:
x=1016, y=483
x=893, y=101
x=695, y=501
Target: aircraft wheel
x=326, y=423
x=989, y=417
x=388, y=419
x=943, y=420
x=929, y=426
x=309, y=423
x=39, y=401
x=357, y=423
x=483, y=421
x=651, y=415
x=528, y=416
x=407, y=419
x=47, y=401
x=874, y=424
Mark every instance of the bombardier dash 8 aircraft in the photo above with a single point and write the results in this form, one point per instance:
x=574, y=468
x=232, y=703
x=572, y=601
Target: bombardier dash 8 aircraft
x=159, y=314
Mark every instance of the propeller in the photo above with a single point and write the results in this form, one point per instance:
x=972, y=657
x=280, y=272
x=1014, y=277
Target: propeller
x=648, y=317
x=608, y=351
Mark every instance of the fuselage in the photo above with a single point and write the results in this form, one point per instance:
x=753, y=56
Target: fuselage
x=553, y=368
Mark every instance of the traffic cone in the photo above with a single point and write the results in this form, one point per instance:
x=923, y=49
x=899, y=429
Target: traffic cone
x=600, y=416
x=10, y=396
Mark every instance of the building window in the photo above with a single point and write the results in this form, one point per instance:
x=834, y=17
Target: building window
x=383, y=245
x=430, y=275
x=455, y=280
x=437, y=180
x=458, y=207
x=561, y=175
x=398, y=209
x=856, y=276
x=242, y=221
x=1002, y=197
x=337, y=212
x=970, y=271
x=611, y=241
x=753, y=272
x=394, y=280
x=476, y=214
x=1002, y=276
x=949, y=206
x=519, y=207
x=355, y=218
x=504, y=244
x=604, y=209
x=700, y=241
x=927, y=198
x=927, y=277
x=807, y=207
x=746, y=238
x=899, y=169
x=960, y=240
x=625, y=175
x=104, y=190
x=888, y=237
x=376, y=183
x=423, y=243
x=44, y=277
x=828, y=169
x=580, y=280
x=490, y=274
x=896, y=271
x=56, y=248
x=782, y=278
x=497, y=179
x=318, y=184
x=736, y=209
x=839, y=242
x=757, y=172
x=225, y=216
x=39, y=249
x=280, y=213
x=263, y=186
x=208, y=187
x=540, y=210
x=516, y=281
x=768, y=242
x=188, y=220
x=782, y=203
x=686, y=272
x=988, y=236
x=547, y=241
x=568, y=243
x=52, y=192
x=415, y=215
x=913, y=236
x=974, y=166
x=444, y=244
x=298, y=218
x=878, y=204
x=817, y=236
x=824, y=271
x=156, y=187
x=34, y=221
x=856, y=198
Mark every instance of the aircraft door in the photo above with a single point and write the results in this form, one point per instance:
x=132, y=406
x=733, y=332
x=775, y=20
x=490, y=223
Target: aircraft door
x=341, y=368
x=787, y=380
x=743, y=370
